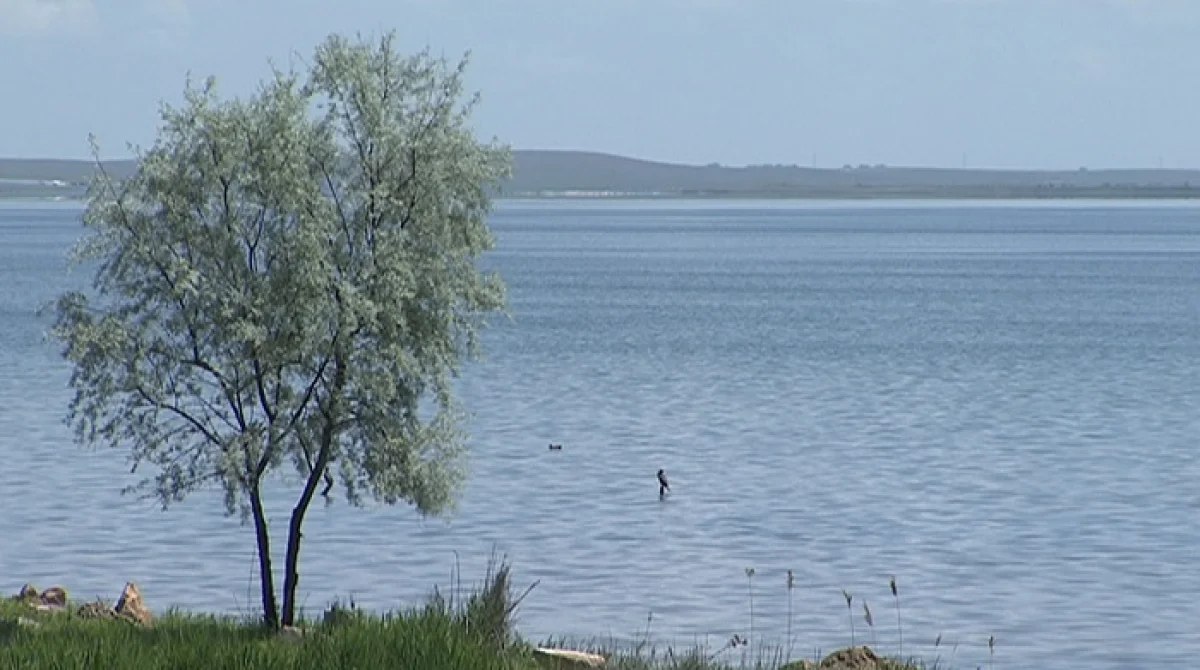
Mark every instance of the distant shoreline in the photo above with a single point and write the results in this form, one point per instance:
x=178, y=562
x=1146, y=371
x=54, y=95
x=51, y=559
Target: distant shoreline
x=859, y=196
x=884, y=194
x=576, y=175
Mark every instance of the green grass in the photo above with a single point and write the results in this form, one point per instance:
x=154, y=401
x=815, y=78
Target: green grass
x=427, y=638
x=432, y=637
x=475, y=632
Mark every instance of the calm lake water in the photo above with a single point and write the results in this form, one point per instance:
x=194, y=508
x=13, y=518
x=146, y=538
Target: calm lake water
x=998, y=404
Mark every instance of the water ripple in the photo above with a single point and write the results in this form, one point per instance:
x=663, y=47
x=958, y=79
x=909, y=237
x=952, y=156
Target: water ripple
x=997, y=405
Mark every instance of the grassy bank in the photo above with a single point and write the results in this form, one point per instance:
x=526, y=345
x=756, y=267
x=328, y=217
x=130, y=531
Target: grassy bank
x=426, y=639
x=475, y=633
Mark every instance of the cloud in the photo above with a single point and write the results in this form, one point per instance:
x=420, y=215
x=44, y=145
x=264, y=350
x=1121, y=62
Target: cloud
x=36, y=18
x=165, y=21
x=139, y=25
x=155, y=24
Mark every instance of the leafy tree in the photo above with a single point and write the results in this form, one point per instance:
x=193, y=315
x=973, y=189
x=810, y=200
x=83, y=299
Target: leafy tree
x=291, y=280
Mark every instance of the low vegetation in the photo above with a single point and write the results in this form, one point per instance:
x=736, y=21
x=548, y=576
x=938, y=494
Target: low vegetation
x=426, y=638
x=475, y=631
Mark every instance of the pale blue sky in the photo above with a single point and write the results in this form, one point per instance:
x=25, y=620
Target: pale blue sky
x=1009, y=83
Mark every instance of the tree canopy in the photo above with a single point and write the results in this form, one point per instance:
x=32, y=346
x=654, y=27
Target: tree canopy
x=292, y=279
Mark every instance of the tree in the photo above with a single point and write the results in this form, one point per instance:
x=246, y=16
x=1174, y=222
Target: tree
x=292, y=279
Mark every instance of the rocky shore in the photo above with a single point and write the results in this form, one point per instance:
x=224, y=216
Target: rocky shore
x=129, y=607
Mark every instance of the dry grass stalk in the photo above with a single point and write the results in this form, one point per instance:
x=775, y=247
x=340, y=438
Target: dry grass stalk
x=849, y=602
x=899, y=626
x=791, y=585
x=750, y=590
x=870, y=623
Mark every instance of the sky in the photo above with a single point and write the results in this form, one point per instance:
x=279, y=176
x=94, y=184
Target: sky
x=981, y=83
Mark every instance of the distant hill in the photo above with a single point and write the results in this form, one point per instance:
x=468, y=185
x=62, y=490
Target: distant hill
x=576, y=173
x=47, y=169
x=558, y=171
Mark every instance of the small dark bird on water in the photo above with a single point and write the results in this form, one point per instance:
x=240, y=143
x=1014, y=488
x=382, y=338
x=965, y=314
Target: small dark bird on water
x=663, y=486
x=555, y=447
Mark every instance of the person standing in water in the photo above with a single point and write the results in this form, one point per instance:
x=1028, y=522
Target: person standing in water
x=663, y=486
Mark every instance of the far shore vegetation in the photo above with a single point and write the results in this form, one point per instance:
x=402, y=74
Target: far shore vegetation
x=585, y=175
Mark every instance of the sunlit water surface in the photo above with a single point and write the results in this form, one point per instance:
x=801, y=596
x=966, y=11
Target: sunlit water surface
x=997, y=404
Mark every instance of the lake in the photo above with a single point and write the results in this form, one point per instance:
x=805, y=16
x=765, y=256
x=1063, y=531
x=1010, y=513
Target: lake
x=997, y=403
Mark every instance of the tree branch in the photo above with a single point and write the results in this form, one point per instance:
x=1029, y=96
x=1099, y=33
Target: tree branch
x=262, y=392
x=180, y=412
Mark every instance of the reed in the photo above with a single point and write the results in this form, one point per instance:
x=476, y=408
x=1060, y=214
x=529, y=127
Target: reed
x=870, y=623
x=849, y=608
x=899, y=626
x=791, y=586
x=750, y=590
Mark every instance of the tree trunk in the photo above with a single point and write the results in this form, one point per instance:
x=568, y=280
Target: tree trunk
x=265, y=575
x=291, y=575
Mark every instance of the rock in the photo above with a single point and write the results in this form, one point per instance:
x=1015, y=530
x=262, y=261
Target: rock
x=291, y=634
x=27, y=592
x=96, y=610
x=854, y=658
x=568, y=658
x=55, y=596
x=53, y=599
x=130, y=605
x=337, y=615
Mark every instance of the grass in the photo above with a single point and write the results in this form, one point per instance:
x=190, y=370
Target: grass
x=475, y=631
x=427, y=638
